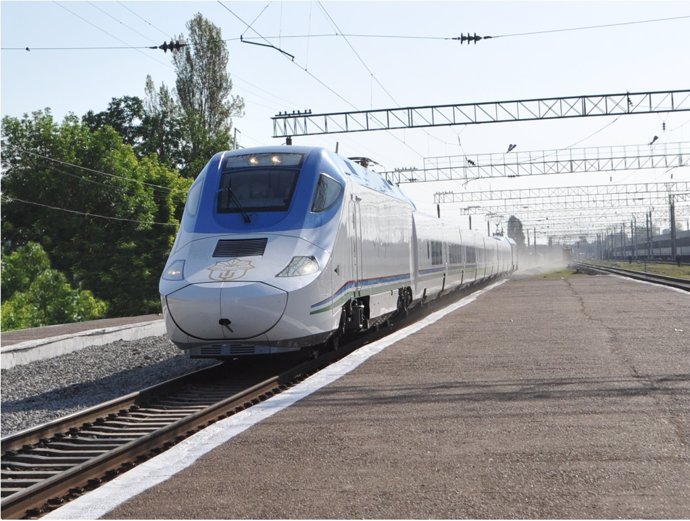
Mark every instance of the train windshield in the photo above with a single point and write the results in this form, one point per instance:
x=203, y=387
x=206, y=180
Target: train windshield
x=258, y=182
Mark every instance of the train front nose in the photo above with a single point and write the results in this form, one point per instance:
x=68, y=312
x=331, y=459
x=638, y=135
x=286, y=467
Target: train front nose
x=226, y=310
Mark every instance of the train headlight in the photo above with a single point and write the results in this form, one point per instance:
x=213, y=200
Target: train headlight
x=175, y=271
x=300, y=266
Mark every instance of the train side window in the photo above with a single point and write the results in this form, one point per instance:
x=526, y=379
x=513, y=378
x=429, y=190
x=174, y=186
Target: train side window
x=471, y=255
x=328, y=191
x=436, y=253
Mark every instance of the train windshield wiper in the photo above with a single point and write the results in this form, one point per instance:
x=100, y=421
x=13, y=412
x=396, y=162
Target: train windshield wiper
x=238, y=204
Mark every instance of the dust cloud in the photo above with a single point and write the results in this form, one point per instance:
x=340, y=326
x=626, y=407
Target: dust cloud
x=544, y=261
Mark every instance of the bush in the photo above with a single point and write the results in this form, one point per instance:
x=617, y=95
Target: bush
x=35, y=295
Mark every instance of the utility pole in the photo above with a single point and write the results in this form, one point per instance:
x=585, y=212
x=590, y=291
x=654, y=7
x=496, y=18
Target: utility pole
x=633, y=235
x=651, y=234
x=672, y=216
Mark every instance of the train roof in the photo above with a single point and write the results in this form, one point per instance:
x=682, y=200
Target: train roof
x=357, y=173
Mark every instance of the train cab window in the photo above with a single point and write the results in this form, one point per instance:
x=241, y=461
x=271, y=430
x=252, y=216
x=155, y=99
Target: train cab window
x=328, y=191
x=194, y=197
x=258, y=182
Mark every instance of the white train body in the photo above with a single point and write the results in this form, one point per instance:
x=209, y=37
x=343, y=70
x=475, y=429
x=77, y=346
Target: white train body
x=282, y=248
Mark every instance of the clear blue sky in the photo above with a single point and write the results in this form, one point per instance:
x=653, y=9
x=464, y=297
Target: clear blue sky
x=383, y=72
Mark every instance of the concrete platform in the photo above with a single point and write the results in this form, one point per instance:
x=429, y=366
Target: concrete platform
x=544, y=398
x=40, y=343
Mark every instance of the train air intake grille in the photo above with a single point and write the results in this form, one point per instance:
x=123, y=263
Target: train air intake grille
x=240, y=247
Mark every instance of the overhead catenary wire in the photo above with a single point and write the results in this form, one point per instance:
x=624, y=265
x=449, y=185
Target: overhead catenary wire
x=122, y=4
x=269, y=44
x=371, y=73
x=321, y=82
x=96, y=6
x=507, y=35
x=109, y=34
x=333, y=35
x=287, y=55
x=590, y=27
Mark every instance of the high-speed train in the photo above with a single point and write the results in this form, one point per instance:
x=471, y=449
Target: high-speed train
x=290, y=247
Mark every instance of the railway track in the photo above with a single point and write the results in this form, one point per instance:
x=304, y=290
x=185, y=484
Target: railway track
x=50, y=464
x=673, y=282
x=47, y=465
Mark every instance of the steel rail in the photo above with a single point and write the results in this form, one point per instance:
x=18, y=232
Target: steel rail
x=674, y=282
x=63, y=482
x=112, y=452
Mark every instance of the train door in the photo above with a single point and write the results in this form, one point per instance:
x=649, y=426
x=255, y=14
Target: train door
x=355, y=225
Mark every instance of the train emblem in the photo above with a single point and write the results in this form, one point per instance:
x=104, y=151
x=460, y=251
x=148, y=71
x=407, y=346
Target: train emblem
x=229, y=269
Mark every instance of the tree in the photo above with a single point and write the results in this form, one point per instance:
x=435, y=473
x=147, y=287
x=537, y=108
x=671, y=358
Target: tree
x=36, y=295
x=515, y=231
x=106, y=218
x=203, y=84
x=22, y=267
x=125, y=115
x=186, y=128
x=163, y=126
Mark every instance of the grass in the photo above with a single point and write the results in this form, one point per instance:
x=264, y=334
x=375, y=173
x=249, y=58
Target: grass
x=563, y=273
x=670, y=270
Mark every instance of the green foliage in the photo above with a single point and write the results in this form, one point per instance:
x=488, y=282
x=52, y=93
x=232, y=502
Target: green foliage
x=119, y=213
x=203, y=85
x=125, y=115
x=101, y=196
x=187, y=127
x=36, y=295
x=22, y=267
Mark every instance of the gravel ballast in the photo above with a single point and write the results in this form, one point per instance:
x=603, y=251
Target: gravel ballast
x=41, y=391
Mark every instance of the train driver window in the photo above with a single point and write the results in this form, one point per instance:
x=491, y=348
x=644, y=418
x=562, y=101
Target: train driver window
x=258, y=182
x=328, y=191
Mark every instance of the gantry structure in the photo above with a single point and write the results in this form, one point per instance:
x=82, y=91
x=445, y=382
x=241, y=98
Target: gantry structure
x=576, y=211
x=545, y=162
x=612, y=199
x=304, y=123
x=585, y=196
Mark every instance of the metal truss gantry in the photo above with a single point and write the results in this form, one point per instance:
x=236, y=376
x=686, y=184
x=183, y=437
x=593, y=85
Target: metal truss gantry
x=562, y=206
x=574, y=209
x=307, y=124
x=598, y=221
x=578, y=195
x=545, y=162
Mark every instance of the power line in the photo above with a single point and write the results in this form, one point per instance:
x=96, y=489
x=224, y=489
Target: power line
x=287, y=55
x=92, y=48
x=86, y=214
x=143, y=19
x=293, y=61
x=108, y=33
x=426, y=37
x=95, y=6
x=589, y=27
x=371, y=73
x=326, y=35
x=99, y=172
x=90, y=23
x=361, y=60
